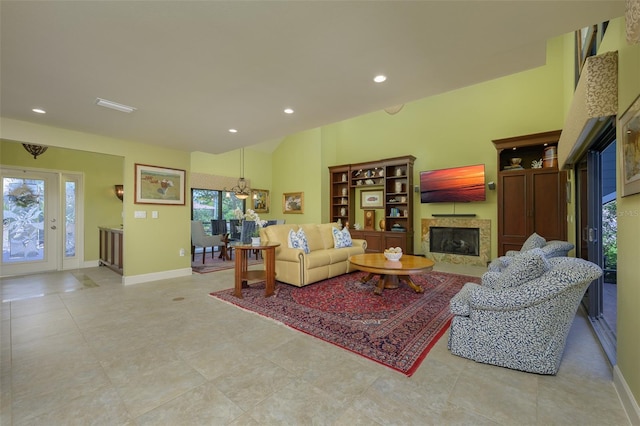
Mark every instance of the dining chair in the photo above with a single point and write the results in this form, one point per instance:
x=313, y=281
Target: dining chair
x=199, y=238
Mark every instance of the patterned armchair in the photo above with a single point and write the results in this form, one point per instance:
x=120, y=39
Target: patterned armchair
x=520, y=318
x=550, y=249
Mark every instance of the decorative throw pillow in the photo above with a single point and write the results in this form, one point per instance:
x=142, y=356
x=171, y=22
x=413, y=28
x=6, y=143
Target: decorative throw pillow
x=298, y=240
x=525, y=267
x=534, y=241
x=557, y=248
x=341, y=238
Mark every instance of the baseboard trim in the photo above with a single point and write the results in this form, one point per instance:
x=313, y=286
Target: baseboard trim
x=164, y=275
x=626, y=397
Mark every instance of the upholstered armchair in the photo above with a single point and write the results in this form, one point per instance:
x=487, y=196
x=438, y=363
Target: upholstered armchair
x=199, y=238
x=554, y=248
x=520, y=318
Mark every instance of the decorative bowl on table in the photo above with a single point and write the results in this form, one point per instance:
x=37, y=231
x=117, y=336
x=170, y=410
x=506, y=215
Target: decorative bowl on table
x=393, y=254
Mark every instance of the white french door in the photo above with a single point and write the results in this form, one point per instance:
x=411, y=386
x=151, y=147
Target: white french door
x=40, y=223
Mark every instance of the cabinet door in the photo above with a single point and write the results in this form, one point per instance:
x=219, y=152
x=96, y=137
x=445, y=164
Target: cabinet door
x=513, y=220
x=397, y=239
x=549, y=205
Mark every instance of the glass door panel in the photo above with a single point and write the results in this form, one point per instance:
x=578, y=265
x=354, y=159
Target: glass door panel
x=29, y=222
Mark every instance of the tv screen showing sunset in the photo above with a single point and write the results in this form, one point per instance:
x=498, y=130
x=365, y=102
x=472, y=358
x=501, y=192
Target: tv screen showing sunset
x=457, y=184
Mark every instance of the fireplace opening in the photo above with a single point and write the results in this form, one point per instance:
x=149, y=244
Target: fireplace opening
x=464, y=241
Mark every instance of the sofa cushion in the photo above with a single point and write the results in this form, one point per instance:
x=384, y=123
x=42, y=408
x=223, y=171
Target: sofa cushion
x=534, y=241
x=326, y=232
x=524, y=267
x=298, y=240
x=314, y=237
x=278, y=233
x=342, y=238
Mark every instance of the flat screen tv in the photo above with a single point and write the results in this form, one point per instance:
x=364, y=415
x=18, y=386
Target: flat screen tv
x=453, y=185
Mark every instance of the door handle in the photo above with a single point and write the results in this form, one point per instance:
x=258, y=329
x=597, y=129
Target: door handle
x=593, y=235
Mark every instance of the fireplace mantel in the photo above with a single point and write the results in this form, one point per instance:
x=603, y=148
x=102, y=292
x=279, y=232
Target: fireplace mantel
x=459, y=222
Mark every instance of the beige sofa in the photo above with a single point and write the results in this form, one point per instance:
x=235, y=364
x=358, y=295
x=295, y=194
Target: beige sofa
x=294, y=266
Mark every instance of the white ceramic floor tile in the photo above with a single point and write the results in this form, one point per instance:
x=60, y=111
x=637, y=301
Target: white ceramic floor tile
x=80, y=348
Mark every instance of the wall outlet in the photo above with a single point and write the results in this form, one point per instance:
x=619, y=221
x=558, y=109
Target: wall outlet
x=181, y=252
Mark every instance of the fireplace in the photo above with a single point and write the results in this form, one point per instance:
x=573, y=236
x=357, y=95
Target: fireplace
x=447, y=239
x=457, y=240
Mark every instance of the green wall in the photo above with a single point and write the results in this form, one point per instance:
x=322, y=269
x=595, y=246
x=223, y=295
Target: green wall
x=628, y=217
x=452, y=129
x=151, y=246
x=298, y=167
x=101, y=172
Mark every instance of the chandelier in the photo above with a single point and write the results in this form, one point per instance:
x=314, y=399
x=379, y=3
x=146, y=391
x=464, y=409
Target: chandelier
x=35, y=150
x=241, y=190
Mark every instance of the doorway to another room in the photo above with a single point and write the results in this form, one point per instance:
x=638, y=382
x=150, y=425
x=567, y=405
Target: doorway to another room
x=596, y=229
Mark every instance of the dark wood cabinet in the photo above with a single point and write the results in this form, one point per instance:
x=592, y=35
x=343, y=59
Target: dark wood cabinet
x=530, y=199
x=378, y=241
x=394, y=178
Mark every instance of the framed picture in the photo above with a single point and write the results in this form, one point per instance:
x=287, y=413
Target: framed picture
x=371, y=199
x=293, y=202
x=630, y=149
x=260, y=198
x=159, y=185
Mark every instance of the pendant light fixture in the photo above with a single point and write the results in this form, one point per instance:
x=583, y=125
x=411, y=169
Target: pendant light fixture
x=241, y=190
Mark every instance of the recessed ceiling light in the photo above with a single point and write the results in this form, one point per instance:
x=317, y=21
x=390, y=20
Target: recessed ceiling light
x=233, y=130
x=288, y=111
x=39, y=110
x=380, y=78
x=114, y=105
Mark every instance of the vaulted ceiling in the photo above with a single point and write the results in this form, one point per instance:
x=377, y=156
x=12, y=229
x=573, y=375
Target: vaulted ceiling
x=194, y=70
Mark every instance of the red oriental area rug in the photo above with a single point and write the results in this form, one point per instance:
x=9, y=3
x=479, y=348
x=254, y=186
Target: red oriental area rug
x=396, y=329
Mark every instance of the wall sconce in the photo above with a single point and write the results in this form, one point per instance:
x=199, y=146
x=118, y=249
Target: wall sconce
x=119, y=191
x=35, y=150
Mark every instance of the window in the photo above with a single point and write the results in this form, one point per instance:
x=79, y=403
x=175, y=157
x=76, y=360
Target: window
x=209, y=204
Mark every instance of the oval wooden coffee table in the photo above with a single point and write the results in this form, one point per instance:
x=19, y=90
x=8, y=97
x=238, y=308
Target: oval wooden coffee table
x=391, y=273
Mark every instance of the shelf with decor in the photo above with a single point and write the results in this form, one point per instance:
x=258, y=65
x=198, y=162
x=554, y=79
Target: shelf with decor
x=367, y=174
x=393, y=180
x=340, y=193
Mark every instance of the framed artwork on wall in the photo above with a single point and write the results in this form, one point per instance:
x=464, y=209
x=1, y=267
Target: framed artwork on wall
x=260, y=199
x=630, y=149
x=371, y=199
x=293, y=202
x=159, y=185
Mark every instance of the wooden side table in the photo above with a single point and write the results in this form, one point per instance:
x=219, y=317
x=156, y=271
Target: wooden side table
x=242, y=274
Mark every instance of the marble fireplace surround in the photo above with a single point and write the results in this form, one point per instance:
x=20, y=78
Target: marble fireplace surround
x=457, y=222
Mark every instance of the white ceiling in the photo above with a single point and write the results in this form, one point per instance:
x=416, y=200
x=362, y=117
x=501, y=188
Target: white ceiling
x=195, y=69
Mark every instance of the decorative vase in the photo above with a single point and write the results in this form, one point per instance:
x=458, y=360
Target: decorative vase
x=382, y=223
x=255, y=241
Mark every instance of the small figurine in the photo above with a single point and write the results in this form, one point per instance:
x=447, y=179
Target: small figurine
x=536, y=164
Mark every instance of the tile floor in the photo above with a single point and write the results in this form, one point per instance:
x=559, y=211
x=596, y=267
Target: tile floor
x=78, y=348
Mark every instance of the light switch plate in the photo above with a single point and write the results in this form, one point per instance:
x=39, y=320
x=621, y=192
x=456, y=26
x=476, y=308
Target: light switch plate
x=140, y=214
x=154, y=214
